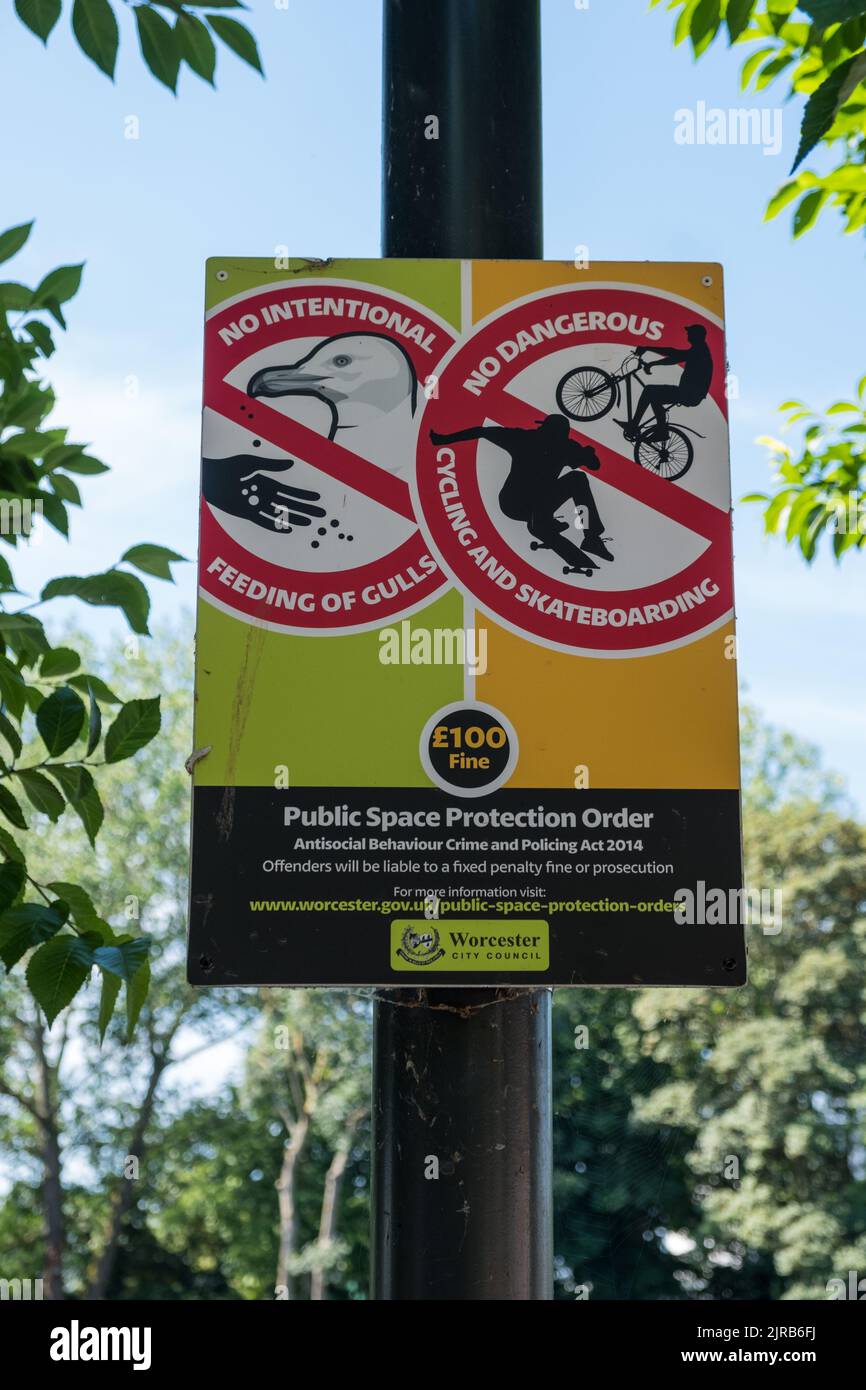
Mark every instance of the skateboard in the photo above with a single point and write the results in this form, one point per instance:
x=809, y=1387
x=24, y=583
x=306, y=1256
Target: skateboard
x=576, y=560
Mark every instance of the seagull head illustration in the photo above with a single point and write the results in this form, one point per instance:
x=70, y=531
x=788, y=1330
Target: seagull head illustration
x=362, y=375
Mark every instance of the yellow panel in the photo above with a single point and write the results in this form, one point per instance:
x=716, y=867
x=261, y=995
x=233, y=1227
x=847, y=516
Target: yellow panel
x=651, y=721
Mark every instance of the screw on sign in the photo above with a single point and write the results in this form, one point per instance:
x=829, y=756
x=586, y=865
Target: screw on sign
x=573, y=470
x=311, y=402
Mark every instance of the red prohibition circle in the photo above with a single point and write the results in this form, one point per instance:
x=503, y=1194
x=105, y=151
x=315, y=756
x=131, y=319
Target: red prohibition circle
x=569, y=615
x=251, y=586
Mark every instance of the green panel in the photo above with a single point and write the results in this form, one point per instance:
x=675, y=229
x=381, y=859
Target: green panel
x=434, y=284
x=324, y=707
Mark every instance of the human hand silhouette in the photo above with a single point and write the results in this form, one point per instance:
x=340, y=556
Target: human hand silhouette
x=277, y=506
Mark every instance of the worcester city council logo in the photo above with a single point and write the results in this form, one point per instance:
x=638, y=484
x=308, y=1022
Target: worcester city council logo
x=420, y=946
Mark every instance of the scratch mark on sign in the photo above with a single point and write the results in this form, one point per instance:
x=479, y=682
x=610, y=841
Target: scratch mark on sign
x=254, y=643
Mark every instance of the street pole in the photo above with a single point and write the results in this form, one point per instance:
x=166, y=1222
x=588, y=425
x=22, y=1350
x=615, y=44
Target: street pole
x=461, y=1188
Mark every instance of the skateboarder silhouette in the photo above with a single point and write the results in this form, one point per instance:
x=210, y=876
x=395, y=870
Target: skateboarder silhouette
x=536, y=486
x=692, y=388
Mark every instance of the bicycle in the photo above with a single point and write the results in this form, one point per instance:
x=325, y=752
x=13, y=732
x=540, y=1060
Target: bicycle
x=588, y=393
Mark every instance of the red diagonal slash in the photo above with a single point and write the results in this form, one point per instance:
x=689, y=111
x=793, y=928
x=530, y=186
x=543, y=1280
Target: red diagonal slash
x=336, y=460
x=659, y=493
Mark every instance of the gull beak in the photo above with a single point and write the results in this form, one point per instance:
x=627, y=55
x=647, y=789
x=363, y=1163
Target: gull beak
x=282, y=381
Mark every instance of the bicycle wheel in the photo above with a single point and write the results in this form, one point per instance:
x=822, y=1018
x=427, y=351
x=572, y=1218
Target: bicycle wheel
x=667, y=453
x=587, y=393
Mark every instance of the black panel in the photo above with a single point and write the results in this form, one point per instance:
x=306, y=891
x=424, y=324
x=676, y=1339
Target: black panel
x=692, y=838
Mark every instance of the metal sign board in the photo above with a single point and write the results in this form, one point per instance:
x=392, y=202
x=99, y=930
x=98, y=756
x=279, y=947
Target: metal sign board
x=466, y=700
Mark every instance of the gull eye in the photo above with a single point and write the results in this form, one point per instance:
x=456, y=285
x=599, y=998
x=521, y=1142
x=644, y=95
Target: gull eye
x=342, y=360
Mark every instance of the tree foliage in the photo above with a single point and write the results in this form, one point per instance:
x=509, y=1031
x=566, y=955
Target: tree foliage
x=181, y=36
x=50, y=927
x=202, y=1215
x=768, y=1088
x=816, y=49
x=819, y=491
x=59, y=934
x=709, y=1144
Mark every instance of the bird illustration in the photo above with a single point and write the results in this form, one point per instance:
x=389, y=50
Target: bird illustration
x=367, y=385
x=370, y=384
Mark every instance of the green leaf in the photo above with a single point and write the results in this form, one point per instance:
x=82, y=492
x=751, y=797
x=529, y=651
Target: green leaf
x=12, y=876
x=136, y=993
x=56, y=972
x=40, y=16
x=771, y=70
x=236, y=37
x=738, y=15
x=41, y=336
x=752, y=64
x=152, y=559
x=159, y=46
x=704, y=25
x=90, y=812
x=681, y=28
x=26, y=926
x=96, y=684
x=81, y=906
x=73, y=779
x=10, y=846
x=60, y=661
x=33, y=697
x=14, y=239
x=59, y=285
x=29, y=405
x=780, y=199
x=60, y=454
x=14, y=296
x=12, y=688
x=821, y=109
x=114, y=589
x=196, y=46
x=773, y=516
x=66, y=489
x=54, y=512
x=53, y=307
x=59, y=720
x=826, y=12
x=11, y=810
x=42, y=794
x=94, y=725
x=123, y=959
x=7, y=581
x=83, y=463
x=95, y=28
x=80, y=791
x=11, y=735
x=30, y=444
x=808, y=209
x=136, y=724
x=107, y=1000
x=23, y=632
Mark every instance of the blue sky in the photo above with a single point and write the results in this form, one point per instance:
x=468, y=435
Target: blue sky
x=294, y=161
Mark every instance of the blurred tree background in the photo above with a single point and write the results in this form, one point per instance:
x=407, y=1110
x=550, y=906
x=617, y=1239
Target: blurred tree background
x=706, y=1145
x=812, y=49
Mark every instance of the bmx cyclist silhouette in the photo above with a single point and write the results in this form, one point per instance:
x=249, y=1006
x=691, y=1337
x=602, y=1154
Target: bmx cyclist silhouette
x=588, y=393
x=536, y=486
